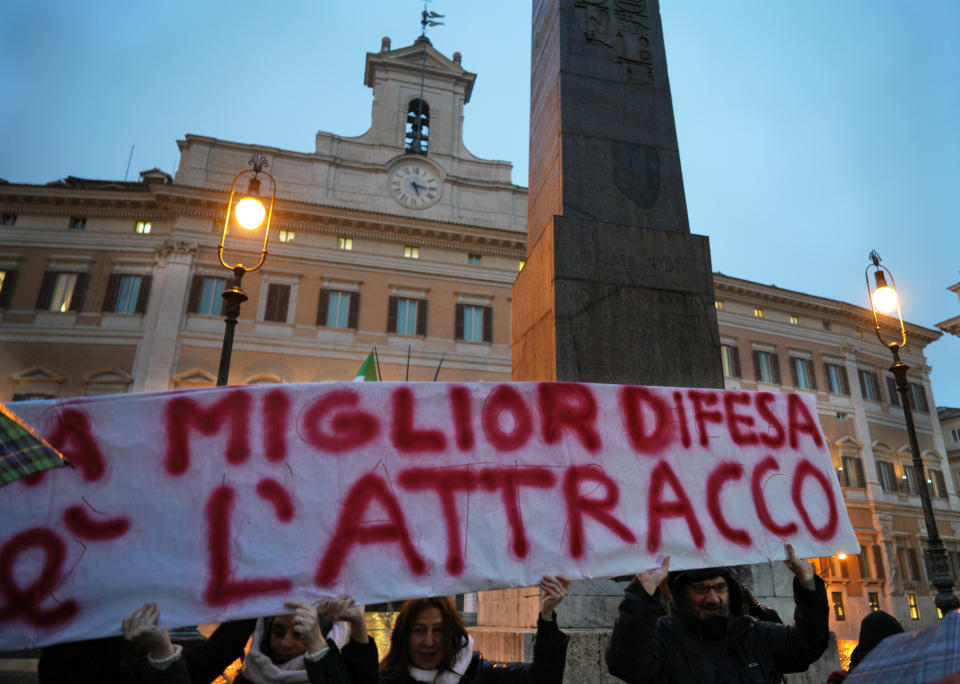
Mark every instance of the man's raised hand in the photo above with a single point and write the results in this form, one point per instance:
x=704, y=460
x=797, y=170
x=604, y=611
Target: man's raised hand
x=653, y=578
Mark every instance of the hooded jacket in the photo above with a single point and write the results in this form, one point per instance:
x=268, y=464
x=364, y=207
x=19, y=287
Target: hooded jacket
x=647, y=646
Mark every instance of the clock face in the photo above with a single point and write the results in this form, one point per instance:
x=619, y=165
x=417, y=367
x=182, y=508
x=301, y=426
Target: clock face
x=414, y=185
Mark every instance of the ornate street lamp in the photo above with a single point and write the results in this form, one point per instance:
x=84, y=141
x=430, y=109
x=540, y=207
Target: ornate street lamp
x=250, y=214
x=884, y=299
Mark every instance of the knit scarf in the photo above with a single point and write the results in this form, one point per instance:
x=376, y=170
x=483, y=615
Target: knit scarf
x=259, y=669
x=460, y=665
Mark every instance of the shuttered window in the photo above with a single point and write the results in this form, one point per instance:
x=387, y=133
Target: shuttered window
x=336, y=309
x=766, y=366
x=127, y=293
x=62, y=291
x=474, y=323
x=278, y=301
x=407, y=316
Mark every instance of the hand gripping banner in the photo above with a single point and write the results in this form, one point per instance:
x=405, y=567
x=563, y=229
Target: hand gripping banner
x=221, y=503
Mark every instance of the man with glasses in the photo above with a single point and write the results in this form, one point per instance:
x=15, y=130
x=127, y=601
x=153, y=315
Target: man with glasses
x=705, y=637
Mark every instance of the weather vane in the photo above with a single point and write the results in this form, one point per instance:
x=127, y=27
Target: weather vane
x=428, y=19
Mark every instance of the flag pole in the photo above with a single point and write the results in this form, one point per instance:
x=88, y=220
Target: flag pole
x=438, y=366
x=406, y=376
x=376, y=357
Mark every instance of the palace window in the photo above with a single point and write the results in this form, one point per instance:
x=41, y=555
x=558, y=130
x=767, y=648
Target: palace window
x=955, y=434
x=914, y=608
x=794, y=319
x=278, y=303
x=758, y=312
x=892, y=392
x=474, y=323
x=78, y=223
x=918, y=398
x=851, y=471
x=862, y=565
x=730, y=358
x=878, y=562
x=8, y=279
x=62, y=291
x=938, y=487
x=473, y=259
x=766, y=366
x=286, y=235
x=873, y=598
x=836, y=597
x=869, y=385
x=837, y=378
x=411, y=252
x=337, y=309
x=887, y=476
x=521, y=264
x=127, y=293
x=142, y=227
x=407, y=316
x=206, y=295
x=8, y=220
x=418, y=127
x=803, y=376
x=345, y=244
x=718, y=303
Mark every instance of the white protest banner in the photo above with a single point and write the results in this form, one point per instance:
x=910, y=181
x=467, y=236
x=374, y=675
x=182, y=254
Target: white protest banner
x=220, y=503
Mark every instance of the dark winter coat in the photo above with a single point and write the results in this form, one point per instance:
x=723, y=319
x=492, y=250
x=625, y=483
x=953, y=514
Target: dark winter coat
x=549, y=661
x=330, y=669
x=648, y=648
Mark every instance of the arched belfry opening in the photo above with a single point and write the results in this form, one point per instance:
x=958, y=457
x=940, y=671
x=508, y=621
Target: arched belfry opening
x=418, y=127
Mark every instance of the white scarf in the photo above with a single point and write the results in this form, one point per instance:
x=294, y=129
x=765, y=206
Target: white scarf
x=460, y=665
x=259, y=669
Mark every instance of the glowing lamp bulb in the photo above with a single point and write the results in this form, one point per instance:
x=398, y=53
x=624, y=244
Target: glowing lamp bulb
x=249, y=213
x=885, y=299
x=842, y=556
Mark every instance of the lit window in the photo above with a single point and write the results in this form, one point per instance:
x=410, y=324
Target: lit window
x=473, y=259
x=794, y=319
x=206, y=295
x=63, y=288
x=718, y=303
x=837, y=378
x=860, y=337
x=7, y=281
x=730, y=358
x=285, y=236
x=521, y=264
x=78, y=223
x=406, y=323
x=758, y=312
x=836, y=598
x=345, y=243
x=8, y=220
x=914, y=608
x=142, y=227
x=411, y=252
x=936, y=483
x=338, y=311
x=874, y=600
x=766, y=366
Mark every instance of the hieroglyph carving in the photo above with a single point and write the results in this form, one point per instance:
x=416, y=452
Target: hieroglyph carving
x=623, y=26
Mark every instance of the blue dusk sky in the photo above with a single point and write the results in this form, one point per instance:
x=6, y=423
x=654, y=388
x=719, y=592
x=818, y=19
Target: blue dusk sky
x=810, y=133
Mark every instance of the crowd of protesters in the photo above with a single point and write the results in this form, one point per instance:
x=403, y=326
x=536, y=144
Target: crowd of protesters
x=695, y=625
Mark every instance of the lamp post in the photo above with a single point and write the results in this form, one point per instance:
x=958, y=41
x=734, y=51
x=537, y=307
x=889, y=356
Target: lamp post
x=249, y=213
x=883, y=298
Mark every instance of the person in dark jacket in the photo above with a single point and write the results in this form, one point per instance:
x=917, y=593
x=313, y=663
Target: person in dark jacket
x=430, y=644
x=874, y=628
x=754, y=608
x=705, y=637
x=115, y=660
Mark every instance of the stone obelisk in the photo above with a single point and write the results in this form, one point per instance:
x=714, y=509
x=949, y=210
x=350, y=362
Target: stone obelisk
x=615, y=288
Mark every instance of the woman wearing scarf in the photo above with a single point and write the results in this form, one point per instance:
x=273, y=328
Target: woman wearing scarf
x=430, y=645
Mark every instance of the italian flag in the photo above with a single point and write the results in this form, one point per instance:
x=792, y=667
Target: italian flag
x=368, y=371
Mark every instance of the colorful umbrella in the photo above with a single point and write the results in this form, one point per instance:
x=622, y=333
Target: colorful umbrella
x=930, y=655
x=22, y=451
